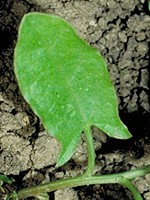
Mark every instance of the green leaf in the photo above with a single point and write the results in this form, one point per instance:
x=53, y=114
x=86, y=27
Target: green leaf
x=65, y=81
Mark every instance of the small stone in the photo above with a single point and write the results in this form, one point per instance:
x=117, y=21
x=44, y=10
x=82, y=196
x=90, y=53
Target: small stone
x=122, y=37
x=140, y=36
x=147, y=196
x=102, y=23
x=67, y=194
x=92, y=23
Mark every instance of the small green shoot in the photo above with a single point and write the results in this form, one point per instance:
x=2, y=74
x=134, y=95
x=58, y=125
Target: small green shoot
x=43, y=196
x=5, y=180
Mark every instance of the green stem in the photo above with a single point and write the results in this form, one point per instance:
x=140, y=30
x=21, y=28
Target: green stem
x=82, y=180
x=127, y=183
x=90, y=152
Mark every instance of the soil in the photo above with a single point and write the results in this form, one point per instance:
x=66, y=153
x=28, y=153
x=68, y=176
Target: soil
x=120, y=30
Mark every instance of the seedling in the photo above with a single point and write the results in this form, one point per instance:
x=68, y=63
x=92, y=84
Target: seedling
x=66, y=83
x=4, y=180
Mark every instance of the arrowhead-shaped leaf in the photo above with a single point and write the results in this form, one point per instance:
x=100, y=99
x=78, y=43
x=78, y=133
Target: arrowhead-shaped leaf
x=65, y=81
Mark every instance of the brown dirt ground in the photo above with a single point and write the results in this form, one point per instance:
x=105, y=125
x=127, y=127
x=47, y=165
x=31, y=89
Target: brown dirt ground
x=120, y=30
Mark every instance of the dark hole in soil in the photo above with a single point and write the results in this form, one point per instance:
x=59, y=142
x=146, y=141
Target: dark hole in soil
x=5, y=39
x=136, y=122
x=138, y=125
x=102, y=192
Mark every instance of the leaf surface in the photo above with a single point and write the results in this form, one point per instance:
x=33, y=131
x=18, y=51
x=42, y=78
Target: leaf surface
x=65, y=81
